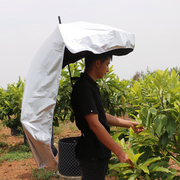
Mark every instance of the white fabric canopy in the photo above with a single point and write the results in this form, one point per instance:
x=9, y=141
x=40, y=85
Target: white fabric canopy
x=68, y=43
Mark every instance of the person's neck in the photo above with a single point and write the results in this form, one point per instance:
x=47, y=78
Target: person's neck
x=91, y=74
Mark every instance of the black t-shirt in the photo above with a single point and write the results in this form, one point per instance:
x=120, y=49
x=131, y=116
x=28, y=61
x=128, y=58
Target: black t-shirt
x=85, y=100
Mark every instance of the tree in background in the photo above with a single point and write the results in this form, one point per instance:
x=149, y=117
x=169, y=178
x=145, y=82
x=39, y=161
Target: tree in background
x=10, y=105
x=138, y=75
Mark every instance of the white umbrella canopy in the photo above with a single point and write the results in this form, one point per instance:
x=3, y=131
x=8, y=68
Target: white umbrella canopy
x=67, y=44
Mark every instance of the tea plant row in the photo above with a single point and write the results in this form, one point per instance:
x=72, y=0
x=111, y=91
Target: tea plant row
x=153, y=100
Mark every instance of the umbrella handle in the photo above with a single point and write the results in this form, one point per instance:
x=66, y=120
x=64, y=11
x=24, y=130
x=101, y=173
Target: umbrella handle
x=59, y=19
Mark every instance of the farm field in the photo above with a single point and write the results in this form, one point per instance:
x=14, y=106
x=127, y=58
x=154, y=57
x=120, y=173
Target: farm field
x=27, y=169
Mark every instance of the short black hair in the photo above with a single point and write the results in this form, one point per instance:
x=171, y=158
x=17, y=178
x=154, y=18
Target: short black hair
x=91, y=57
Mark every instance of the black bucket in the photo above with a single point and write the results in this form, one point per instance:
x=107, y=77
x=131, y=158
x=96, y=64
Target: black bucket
x=14, y=132
x=68, y=164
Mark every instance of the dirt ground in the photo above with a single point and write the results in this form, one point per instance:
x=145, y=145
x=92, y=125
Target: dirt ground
x=22, y=170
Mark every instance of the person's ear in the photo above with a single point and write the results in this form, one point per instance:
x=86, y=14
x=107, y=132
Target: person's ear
x=97, y=63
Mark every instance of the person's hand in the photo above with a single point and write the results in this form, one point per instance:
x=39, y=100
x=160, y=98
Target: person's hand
x=124, y=158
x=136, y=128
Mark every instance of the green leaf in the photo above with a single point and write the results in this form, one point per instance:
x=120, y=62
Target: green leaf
x=128, y=171
x=116, y=136
x=136, y=157
x=164, y=140
x=144, y=168
x=153, y=111
x=144, y=111
x=130, y=154
x=169, y=110
x=145, y=133
x=15, y=109
x=122, y=143
x=177, y=107
x=147, y=177
x=156, y=84
x=173, y=171
x=143, y=115
x=150, y=160
x=161, y=163
x=171, y=127
x=107, y=87
x=7, y=103
x=170, y=177
x=148, y=119
x=178, y=141
x=132, y=133
x=118, y=165
x=160, y=169
x=160, y=123
x=133, y=177
x=136, y=87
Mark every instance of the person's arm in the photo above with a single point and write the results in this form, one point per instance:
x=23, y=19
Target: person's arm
x=102, y=134
x=114, y=121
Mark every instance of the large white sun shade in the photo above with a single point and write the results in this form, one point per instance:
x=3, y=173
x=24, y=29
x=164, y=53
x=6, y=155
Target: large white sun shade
x=68, y=43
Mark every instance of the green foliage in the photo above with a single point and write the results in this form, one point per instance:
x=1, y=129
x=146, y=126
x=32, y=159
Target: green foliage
x=154, y=102
x=3, y=144
x=38, y=174
x=113, y=93
x=19, y=147
x=3, y=136
x=15, y=156
x=149, y=163
x=63, y=110
x=15, y=152
x=10, y=105
x=59, y=129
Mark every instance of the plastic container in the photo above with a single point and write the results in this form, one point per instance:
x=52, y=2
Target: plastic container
x=68, y=164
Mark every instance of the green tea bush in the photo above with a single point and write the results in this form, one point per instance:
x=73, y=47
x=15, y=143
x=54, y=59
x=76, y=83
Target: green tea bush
x=113, y=93
x=154, y=102
x=10, y=105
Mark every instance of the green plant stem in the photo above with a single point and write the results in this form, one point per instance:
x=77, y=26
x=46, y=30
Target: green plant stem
x=168, y=151
x=175, y=139
x=172, y=155
x=162, y=100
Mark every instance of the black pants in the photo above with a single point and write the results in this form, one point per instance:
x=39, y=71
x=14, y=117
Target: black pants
x=93, y=170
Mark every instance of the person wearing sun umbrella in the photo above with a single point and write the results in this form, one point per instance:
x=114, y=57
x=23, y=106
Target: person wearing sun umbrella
x=94, y=148
x=67, y=44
